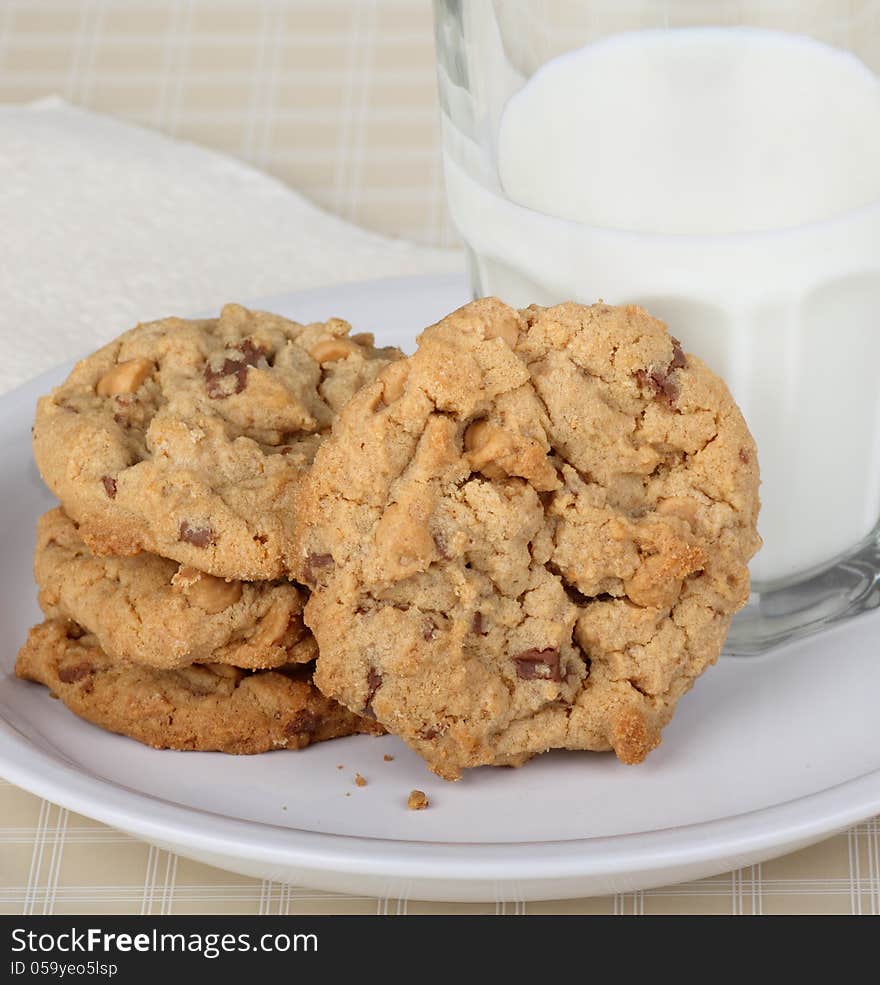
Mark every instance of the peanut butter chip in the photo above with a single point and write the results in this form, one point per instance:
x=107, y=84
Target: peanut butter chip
x=274, y=625
x=417, y=800
x=656, y=583
x=477, y=436
x=212, y=594
x=498, y=453
x=331, y=350
x=124, y=377
x=506, y=328
x=185, y=576
x=393, y=382
x=406, y=543
x=485, y=444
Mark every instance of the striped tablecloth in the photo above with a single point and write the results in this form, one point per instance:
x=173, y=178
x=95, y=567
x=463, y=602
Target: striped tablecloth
x=335, y=97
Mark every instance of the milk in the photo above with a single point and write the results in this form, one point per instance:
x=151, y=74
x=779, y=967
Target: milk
x=729, y=181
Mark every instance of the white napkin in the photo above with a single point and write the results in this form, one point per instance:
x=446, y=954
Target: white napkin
x=103, y=224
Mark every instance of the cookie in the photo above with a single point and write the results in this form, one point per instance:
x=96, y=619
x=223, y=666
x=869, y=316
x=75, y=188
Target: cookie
x=187, y=438
x=531, y=534
x=207, y=708
x=157, y=612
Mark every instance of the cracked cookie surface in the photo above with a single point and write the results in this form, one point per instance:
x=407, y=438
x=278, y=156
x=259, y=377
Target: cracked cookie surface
x=203, y=707
x=531, y=534
x=187, y=438
x=154, y=611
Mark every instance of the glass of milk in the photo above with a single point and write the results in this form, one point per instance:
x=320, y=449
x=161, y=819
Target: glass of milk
x=718, y=163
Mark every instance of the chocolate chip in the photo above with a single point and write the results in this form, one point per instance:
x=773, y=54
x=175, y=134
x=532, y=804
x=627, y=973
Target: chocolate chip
x=70, y=675
x=196, y=535
x=252, y=353
x=314, y=563
x=660, y=381
x=663, y=387
x=478, y=624
x=109, y=486
x=374, y=682
x=538, y=665
x=230, y=378
x=430, y=732
x=226, y=378
x=304, y=721
x=679, y=359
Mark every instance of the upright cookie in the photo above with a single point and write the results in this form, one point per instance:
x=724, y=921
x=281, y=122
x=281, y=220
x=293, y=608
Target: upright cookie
x=205, y=708
x=187, y=438
x=154, y=611
x=531, y=534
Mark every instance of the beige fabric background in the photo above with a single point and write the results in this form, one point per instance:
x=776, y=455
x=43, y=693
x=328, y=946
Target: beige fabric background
x=337, y=98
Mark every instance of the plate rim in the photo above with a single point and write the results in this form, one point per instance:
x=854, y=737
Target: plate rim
x=799, y=820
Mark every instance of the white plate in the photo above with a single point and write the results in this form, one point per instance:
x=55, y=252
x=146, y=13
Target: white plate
x=765, y=756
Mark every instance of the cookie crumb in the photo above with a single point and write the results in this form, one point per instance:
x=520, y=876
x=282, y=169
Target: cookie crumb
x=340, y=766
x=387, y=758
x=359, y=780
x=417, y=801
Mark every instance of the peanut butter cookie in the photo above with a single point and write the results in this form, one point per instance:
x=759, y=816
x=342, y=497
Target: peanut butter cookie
x=531, y=534
x=204, y=707
x=187, y=438
x=154, y=611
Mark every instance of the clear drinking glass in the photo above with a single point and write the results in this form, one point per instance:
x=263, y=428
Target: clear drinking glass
x=718, y=163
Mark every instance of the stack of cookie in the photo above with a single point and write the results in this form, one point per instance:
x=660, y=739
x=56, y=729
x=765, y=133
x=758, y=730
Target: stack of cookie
x=176, y=452
x=532, y=534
